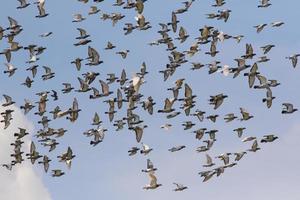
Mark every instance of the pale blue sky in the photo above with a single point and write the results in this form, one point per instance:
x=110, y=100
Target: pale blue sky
x=105, y=171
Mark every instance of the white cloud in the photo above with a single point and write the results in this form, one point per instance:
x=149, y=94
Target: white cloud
x=22, y=182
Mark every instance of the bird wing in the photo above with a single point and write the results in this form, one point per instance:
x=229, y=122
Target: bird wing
x=262, y=79
x=46, y=163
x=269, y=93
x=145, y=147
x=119, y=98
x=218, y=103
x=138, y=133
x=47, y=69
x=153, y=179
x=139, y=5
x=177, y=185
x=8, y=99
x=143, y=68
x=208, y=159
x=254, y=68
x=244, y=112
x=32, y=148
x=188, y=91
x=41, y=8
x=249, y=49
x=168, y=104
x=93, y=54
x=288, y=106
x=9, y=66
x=95, y=91
x=83, y=84
x=96, y=118
x=75, y=104
x=82, y=32
x=123, y=75
x=174, y=21
x=182, y=32
x=69, y=153
x=149, y=164
x=254, y=145
x=12, y=22
x=104, y=86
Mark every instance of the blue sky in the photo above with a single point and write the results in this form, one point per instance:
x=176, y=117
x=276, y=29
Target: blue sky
x=106, y=170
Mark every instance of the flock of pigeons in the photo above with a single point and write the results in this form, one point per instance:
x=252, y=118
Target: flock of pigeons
x=128, y=91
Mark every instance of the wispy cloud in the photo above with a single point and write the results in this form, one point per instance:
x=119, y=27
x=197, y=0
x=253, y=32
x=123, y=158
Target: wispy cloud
x=22, y=182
